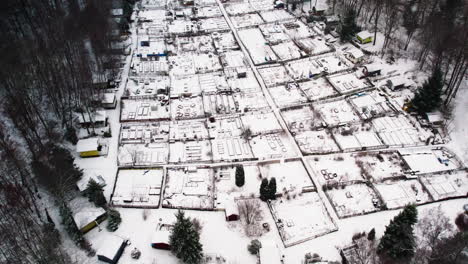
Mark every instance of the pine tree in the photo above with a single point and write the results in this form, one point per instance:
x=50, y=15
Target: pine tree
x=272, y=189
x=371, y=235
x=254, y=246
x=264, y=193
x=398, y=241
x=348, y=25
x=114, y=220
x=428, y=97
x=185, y=240
x=240, y=176
x=95, y=193
x=410, y=20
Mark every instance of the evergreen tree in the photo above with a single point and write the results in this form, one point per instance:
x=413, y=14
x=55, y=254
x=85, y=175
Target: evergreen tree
x=348, y=25
x=240, y=176
x=371, y=235
x=95, y=193
x=69, y=224
x=185, y=240
x=254, y=246
x=272, y=189
x=428, y=97
x=398, y=241
x=70, y=135
x=264, y=193
x=114, y=220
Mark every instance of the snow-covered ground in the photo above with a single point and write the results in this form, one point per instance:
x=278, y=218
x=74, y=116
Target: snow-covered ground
x=185, y=123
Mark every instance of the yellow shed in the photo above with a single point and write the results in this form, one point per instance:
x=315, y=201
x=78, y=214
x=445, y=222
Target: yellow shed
x=88, y=147
x=85, y=214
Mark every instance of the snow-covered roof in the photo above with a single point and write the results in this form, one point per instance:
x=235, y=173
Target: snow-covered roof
x=84, y=212
x=373, y=67
x=98, y=116
x=110, y=247
x=161, y=236
x=434, y=117
x=88, y=144
x=108, y=98
x=364, y=34
x=231, y=207
x=117, y=11
x=356, y=53
x=269, y=253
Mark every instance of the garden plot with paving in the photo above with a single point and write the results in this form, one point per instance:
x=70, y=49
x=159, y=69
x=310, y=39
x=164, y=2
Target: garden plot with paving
x=287, y=95
x=190, y=151
x=220, y=104
x=213, y=82
x=317, y=89
x=185, y=130
x=430, y=160
x=336, y=113
x=141, y=155
x=446, y=185
x=273, y=76
x=187, y=108
x=213, y=24
x=279, y=15
x=316, y=142
x=144, y=110
x=348, y=83
x=302, y=118
x=359, y=136
x=231, y=149
x=138, y=188
x=195, y=44
x=247, y=20
x=185, y=85
x=304, y=69
x=225, y=127
x=251, y=101
x=274, y=33
x=144, y=132
x=189, y=188
x=147, y=87
x=398, y=130
x=146, y=68
x=371, y=104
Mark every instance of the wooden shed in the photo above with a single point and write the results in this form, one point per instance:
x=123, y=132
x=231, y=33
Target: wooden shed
x=365, y=37
x=85, y=214
x=112, y=250
x=89, y=147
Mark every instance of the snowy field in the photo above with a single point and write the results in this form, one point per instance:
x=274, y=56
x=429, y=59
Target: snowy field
x=220, y=104
x=288, y=51
x=147, y=87
x=274, y=33
x=304, y=69
x=301, y=218
x=291, y=177
x=273, y=76
x=212, y=83
x=261, y=122
x=429, y=160
x=271, y=146
x=399, y=131
x=358, y=136
x=187, y=108
x=247, y=20
x=371, y=104
x=225, y=127
x=301, y=118
x=397, y=194
x=231, y=149
x=315, y=46
x=225, y=181
x=352, y=200
x=348, y=83
x=183, y=130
